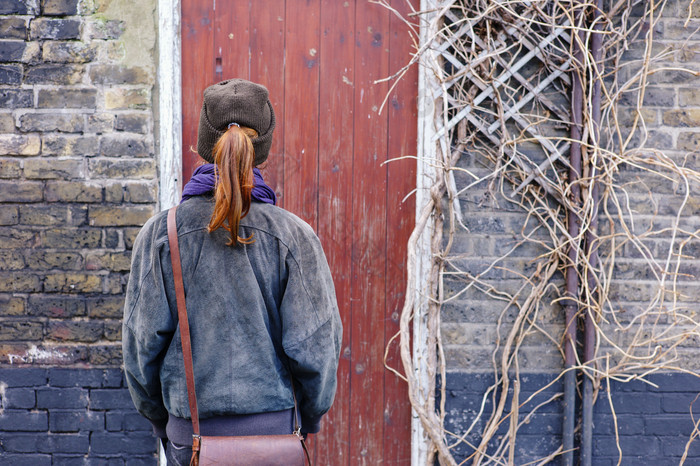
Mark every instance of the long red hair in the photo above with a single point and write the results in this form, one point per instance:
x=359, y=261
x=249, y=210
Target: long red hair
x=233, y=155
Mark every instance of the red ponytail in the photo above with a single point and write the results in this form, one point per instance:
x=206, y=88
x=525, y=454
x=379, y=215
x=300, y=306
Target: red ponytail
x=233, y=154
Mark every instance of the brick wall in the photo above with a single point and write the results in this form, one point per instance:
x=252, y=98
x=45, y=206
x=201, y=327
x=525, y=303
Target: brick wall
x=78, y=177
x=495, y=225
x=654, y=424
x=70, y=417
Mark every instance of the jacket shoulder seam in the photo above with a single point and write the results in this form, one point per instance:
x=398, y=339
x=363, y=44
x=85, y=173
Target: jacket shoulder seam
x=138, y=295
x=298, y=342
x=198, y=229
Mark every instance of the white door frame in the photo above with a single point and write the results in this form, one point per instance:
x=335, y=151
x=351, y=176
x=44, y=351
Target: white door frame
x=426, y=175
x=169, y=121
x=169, y=104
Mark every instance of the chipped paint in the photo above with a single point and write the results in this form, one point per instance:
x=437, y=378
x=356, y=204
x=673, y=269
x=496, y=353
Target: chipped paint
x=170, y=103
x=3, y=387
x=36, y=355
x=347, y=81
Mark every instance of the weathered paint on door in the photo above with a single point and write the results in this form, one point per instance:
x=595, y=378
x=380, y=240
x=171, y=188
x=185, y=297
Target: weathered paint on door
x=319, y=59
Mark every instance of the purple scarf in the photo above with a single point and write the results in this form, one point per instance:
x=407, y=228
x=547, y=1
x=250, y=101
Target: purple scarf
x=203, y=181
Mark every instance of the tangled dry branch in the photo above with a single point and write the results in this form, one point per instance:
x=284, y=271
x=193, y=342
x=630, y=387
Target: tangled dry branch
x=502, y=75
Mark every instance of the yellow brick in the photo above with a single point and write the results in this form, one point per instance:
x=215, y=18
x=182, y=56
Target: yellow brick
x=127, y=98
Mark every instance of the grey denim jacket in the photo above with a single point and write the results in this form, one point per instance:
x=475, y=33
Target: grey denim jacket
x=256, y=311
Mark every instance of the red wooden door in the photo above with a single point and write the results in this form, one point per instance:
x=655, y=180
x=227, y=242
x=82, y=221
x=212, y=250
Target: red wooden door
x=319, y=59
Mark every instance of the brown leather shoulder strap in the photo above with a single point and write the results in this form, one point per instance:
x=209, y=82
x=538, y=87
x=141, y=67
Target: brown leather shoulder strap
x=182, y=317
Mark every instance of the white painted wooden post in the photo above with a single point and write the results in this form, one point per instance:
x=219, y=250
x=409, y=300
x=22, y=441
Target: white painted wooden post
x=170, y=103
x=426, y=176
x=169, y=115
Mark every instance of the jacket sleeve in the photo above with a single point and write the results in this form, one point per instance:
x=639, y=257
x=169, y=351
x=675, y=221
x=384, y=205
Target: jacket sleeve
x=312, y=329
x=148, y=328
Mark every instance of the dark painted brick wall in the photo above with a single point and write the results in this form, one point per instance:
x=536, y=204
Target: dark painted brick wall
x=71, y=417
x=654, y=423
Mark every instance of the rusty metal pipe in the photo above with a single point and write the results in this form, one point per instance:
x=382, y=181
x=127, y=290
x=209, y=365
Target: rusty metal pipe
x=592, y=239
x=572, y=276
x=571, y=271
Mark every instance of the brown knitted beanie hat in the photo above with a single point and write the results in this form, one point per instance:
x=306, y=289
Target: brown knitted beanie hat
x=235, y=101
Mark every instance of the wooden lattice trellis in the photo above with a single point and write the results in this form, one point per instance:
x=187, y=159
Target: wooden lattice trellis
x=520, y=76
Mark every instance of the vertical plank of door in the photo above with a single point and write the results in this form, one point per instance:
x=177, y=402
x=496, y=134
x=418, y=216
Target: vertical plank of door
x=197, y=74
x=301, y=76
x=267, y=26
x=369, y=231
x=231, y=39
x=337, y=55
x=402, y=113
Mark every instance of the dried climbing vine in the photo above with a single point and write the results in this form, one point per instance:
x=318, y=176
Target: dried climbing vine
x=501, y=80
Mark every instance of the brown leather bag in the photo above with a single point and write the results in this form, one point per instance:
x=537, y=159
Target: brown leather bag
x=270, y=450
